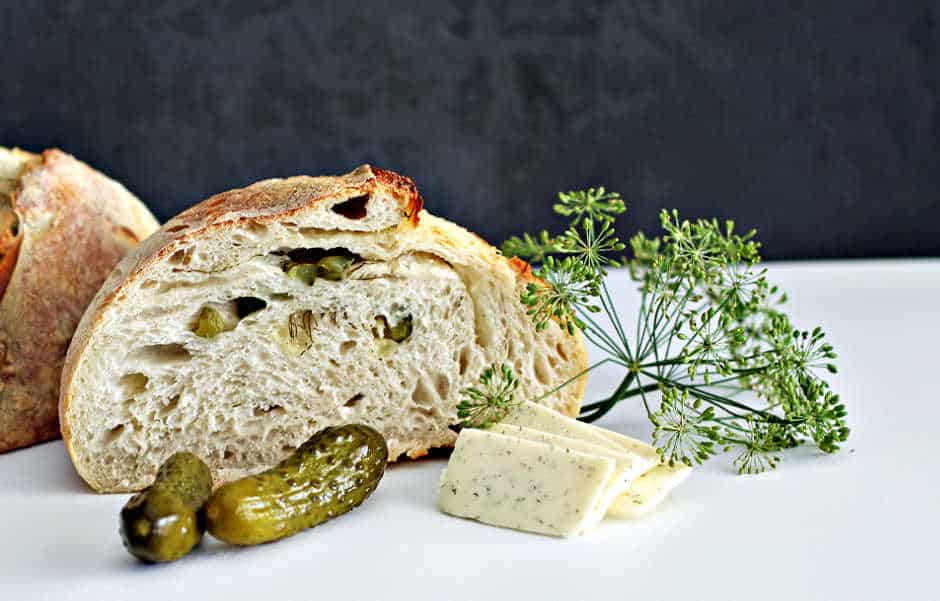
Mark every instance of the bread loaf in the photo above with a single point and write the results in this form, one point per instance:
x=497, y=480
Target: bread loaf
x=63, y=227
x=262, y=315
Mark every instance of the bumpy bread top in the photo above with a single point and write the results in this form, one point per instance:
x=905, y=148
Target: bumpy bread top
x=65, y=226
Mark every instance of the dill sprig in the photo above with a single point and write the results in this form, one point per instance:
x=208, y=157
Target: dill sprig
x=716, y=363
x=492, y=401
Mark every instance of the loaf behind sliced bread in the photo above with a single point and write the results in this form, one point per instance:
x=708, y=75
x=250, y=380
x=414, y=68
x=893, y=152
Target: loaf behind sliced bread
x=63, y=227
x=140, y=383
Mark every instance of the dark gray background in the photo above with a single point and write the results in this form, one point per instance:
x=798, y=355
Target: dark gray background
x=818, y=123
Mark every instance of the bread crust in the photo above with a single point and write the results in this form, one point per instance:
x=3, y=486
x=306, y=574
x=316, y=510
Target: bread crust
x=271, y=201
x=74, y=225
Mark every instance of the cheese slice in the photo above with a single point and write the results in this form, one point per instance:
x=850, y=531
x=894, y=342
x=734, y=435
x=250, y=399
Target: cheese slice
x=523, y=484
x=633, y=445
x=539, y=417
x=647, y=491
x=627, y=466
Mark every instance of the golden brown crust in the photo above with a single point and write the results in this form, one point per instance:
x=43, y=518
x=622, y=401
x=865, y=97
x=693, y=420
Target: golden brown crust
x=405, y=186
x=74, y=225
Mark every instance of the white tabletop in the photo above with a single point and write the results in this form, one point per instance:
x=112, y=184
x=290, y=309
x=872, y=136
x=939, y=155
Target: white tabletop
x=862, y=524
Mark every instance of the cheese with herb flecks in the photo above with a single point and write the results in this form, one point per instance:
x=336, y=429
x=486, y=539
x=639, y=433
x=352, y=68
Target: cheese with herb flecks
x=523, y=484
x=627, y=466
x=647, y=490
x=539, y=417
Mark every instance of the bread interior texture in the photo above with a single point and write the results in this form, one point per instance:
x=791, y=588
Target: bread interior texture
x=390, y=343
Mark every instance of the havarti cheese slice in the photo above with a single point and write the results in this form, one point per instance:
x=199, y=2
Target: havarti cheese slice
x=516, y=483
x=646, y=492
x=627, y=466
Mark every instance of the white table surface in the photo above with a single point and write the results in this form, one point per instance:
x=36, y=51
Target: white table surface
x=863, y=524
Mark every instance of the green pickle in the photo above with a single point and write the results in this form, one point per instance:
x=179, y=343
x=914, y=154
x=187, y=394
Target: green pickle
x=334, y=267
x=401, y=331
x=330, y=474
x=209, y=323
x=304, y=272
x=162, y=522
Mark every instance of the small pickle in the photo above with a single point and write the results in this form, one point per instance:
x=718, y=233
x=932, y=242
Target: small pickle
x=334, y=267
x=162, y=522
x=209, y=323
x=401, y=331
x=333, y=472
x=304, y=272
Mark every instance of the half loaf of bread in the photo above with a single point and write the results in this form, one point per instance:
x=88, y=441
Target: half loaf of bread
x=63, y=227
x=262, y=315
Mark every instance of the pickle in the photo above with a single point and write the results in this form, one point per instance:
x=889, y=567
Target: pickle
x=334, y=267
x=304, y=272
x=162, y=522
x=209, y=323
x=401, y=330
x=333, y=472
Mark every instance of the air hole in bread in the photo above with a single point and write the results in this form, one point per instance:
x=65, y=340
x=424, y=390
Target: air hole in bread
x=170, y=406
x=207, y=282
x=246, y=305
x=113, y=434
x=177, y=228
x=133, y=383
x=421, y=415
x=354, y=208
x=352, y=402
x=148, y=284
x=313, y=255
x=423, y=396
x=256, y=228
x=272, y=410
x=484, y=329
x=542, y=371
x=181, y=257
x=347, y=346
x=442, y=383
x=464, y=359
x=160, y=354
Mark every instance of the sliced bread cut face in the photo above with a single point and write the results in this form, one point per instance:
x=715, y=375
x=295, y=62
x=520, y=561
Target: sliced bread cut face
x=220, y=337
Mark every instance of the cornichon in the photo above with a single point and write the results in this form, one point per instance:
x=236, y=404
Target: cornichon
x=401, y=330
x=304, y=272
x=333, y=472
x=307, y=269
x=209, y=323
x=334, y=267
x=162, y=523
